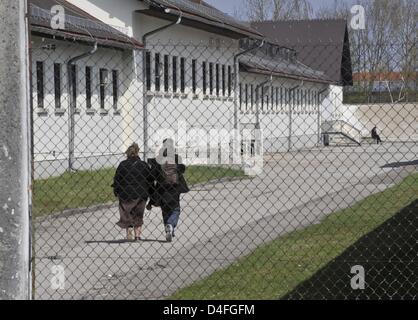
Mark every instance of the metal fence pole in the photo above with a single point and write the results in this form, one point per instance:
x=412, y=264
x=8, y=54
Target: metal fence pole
x=14, y=152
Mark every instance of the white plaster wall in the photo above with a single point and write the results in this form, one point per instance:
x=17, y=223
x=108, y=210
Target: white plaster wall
x=115, y=13
x=332, y=105
x=196, y=110
x=101, y=134
x=275, y=121
x=394, y=122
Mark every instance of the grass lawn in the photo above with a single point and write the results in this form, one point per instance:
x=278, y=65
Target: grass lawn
x=85, y=188
x=274, y=269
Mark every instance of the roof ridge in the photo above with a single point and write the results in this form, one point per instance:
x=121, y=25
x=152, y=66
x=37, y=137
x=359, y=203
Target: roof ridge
x=300, y=20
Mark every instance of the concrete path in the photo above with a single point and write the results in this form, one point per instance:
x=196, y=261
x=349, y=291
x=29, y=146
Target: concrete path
x=220, y=223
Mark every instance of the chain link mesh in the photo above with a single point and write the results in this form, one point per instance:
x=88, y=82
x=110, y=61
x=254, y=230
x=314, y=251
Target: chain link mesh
x=285, y=178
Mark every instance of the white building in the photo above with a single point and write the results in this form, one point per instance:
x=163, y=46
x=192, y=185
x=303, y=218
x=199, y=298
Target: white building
x=322, y=45
x=121, y=93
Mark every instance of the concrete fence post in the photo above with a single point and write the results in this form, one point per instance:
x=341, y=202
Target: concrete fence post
x=14, y=152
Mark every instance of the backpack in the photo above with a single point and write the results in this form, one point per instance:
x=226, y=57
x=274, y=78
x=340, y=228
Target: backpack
x=170, y=174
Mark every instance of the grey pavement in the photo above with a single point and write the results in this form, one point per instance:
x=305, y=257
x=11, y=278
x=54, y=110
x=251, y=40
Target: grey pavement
x=220, y=222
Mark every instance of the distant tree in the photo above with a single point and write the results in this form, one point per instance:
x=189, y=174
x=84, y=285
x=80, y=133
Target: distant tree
x=389, y=40
x=263, y=10
x=257, y=10
x=292, y=10
x=338, y=10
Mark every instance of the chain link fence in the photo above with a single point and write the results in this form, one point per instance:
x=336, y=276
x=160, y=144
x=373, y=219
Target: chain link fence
x=284, y=177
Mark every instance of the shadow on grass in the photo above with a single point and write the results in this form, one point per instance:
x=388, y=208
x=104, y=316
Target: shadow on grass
x=389, y=257
x=401, y=164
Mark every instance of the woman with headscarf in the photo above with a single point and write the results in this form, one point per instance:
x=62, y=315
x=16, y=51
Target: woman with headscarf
x=131, y=185
x=168, y=171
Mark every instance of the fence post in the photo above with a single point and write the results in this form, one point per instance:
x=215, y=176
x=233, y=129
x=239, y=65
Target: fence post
x=14, y=152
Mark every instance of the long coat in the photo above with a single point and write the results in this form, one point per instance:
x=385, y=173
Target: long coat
x=167, y=196
x=132, y=180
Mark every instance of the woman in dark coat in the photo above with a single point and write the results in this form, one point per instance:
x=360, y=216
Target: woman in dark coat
x=131, y=185
x=168, y=172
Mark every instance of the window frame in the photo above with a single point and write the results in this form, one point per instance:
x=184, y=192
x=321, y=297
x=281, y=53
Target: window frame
x=182, y=75
x=148, y=81
x=40, y=90
x=174, y=73
x=57, y=85
x=194, y=84
x=157, y=72
x=103, y=75
x=88, y=76
x=166, y=73
x=115, y=88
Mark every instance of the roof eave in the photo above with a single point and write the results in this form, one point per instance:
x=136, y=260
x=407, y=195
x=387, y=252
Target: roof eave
x=66, y=35
x=202, y=23
x=286, y=75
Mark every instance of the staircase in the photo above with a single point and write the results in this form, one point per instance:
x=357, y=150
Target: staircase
x=340, y=132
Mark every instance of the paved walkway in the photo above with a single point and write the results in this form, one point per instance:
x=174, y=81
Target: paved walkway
x=219, y=223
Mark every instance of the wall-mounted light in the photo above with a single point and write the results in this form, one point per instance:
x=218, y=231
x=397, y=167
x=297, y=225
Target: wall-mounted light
x=49, y=46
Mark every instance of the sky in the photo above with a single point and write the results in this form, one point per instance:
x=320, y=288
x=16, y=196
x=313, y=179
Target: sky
x=228, y=6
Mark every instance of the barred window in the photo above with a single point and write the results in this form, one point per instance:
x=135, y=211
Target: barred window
x=157, y=70
x=210, y=78
x=204, y=77
x=246, y=97
x=148, y=70
x=217, y=79
x=252, y=97
x=40, y=83
x=88, y=87
x=73, y=77
x=303, y=100
x=292, y=99
x=166, y=73
x=229, y=81
x=240, y=96
x=194, y=76
x=278, y=99
x=115, y=87
x=174, y=74
x=103, y=84
x=257, y=97
x=223, y=81
x=182, y=75
x=57, y=85
x=267, y=101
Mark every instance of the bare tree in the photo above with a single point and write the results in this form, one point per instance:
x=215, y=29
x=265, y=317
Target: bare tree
x=258, y=10
x=263, y=10
x=292, y=10
x=405, y=29
x=338, y=10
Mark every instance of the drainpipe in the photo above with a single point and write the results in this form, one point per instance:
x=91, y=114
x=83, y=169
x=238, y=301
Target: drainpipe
x=236, y=147
x=319, y=117
x=236, y=82
x=71, y=110
x=144, y=95
x=289, y=139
